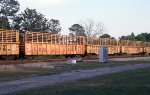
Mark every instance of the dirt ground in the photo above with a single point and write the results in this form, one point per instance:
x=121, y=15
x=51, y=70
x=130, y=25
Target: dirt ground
x=44, y=65
x=41, y=81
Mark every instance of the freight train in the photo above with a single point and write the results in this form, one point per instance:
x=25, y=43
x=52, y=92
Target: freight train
x=14, y=44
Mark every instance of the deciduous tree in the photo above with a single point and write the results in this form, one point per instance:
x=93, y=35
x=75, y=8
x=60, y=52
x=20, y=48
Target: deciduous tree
x=105, y=36
x=54, y=26
x=33, y=21
x=8, y=9
x=77, y=30
x=93, y=29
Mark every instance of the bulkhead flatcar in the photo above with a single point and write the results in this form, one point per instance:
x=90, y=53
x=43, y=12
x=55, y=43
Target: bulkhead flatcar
x=9, y=44
x=93, y=45
x=146, y=47
x=14, y=43
x=37, y=43
x=131, y=47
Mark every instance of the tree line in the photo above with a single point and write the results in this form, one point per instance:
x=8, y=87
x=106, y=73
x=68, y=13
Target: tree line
x=28, y=20
x=140, y=37
x=31, y=20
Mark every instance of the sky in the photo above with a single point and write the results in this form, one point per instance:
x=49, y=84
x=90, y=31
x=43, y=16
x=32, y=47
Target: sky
x=120, y=17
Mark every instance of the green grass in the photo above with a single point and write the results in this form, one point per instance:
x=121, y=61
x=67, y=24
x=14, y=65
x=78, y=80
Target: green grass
x=6, y=76
x=136, y=82
x=60, y=68
x=144, y=60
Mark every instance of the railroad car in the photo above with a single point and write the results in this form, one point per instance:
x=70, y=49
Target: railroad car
x=93, y=45
x=37, y=43
x=146, y=47
x=9, y=44
x=131, y=47
x=14, y=43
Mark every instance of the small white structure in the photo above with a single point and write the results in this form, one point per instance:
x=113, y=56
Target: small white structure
x=71, y=61
x=103, y=54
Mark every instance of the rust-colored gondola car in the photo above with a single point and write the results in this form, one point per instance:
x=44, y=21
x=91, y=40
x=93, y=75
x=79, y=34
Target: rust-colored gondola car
x=37, y=43
x=93, y=45
x=131, y=47
x=9, y=44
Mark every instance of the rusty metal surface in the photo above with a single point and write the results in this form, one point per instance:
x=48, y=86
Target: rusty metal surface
x=132, y=49
x=36, y=43
x=94, y=44
x=9, y=42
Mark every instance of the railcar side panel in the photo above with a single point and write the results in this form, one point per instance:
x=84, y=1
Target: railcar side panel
x=47, y=44
x=147, y=47
x=9, y=49
x=131, y=50
x=9, y=42
x=93, y=45
x=131, y=47
x=92, y=49
x=114, y=50
x=48, y=49
x=147, y=50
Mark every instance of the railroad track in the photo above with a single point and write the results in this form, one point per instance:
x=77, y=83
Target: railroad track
x=25, y=61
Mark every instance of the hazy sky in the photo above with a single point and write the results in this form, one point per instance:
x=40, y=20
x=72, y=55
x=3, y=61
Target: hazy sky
x=120, y=17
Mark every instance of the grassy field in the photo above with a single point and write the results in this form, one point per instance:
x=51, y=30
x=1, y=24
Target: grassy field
x=135, y=82
x=59, y=68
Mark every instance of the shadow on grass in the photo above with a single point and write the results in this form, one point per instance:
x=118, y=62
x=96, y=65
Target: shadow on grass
x=136, y=82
